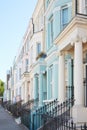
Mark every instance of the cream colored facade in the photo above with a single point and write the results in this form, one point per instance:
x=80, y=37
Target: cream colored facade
x=21, y=81
x=73, y=41
x=37, y=38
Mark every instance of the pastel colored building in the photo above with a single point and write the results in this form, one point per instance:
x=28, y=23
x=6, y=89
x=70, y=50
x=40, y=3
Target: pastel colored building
x=71, y=53
x=57, y=16
x=52, y=60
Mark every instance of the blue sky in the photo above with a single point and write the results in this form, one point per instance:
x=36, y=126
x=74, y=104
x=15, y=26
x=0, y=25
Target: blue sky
x=14, y=19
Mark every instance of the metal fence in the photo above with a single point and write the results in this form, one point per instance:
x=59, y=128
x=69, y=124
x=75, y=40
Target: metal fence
x=53, y=125
x=26, y=117
x=26, y=113
x=51, y=115
x=13, y=108
x=70, y=92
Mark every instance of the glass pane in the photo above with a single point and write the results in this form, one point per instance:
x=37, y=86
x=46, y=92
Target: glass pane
x=64, y=16
x=38, y=48
x=86, y=2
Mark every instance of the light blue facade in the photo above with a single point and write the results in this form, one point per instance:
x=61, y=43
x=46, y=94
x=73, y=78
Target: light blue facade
x=57, y=17
x=40, y=82
x=55, y=13
x=52, y=79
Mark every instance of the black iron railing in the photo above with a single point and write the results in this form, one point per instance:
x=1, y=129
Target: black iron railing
x=62, y=121
x=52, y=115
x=69, y=92
x=15, y=108
x=26, y=117
x=85, y=91
x=26, y=113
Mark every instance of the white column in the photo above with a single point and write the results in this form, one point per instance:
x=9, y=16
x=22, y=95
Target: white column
x=61, y=86
x=78, y=74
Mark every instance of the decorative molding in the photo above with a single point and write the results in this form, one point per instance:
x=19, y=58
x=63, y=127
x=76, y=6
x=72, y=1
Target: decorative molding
x=69, y=4
x=78, y=39
x=59, y=7
x=49, y=56
x=60, y=53
x=48, y=8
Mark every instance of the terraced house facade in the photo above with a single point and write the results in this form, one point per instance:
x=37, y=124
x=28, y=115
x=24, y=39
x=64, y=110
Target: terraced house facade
x=52, y=61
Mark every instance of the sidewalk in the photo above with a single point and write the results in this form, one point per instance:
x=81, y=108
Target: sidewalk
x=7, y=122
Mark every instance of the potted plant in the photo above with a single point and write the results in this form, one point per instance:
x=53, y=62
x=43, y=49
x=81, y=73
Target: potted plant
x=41, y=55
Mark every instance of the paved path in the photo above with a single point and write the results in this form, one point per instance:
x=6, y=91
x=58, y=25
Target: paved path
x=7, y=122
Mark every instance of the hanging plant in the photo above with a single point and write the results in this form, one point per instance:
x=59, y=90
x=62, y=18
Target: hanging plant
x=41, y=55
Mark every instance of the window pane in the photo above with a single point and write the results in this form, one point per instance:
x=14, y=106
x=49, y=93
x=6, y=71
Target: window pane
x=38, y=48
x=51, y=31
x=86, y=2
x=64, y=16
x=86, y=6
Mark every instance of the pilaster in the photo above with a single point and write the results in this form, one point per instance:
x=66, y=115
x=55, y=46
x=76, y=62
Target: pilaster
x=40, y=89
x=35, y=86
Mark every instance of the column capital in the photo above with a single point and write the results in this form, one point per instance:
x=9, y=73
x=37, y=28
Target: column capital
x=36, y=75
x=77, y=39
x=61, y=53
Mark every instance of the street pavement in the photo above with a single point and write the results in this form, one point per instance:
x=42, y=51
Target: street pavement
x=7, y=122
